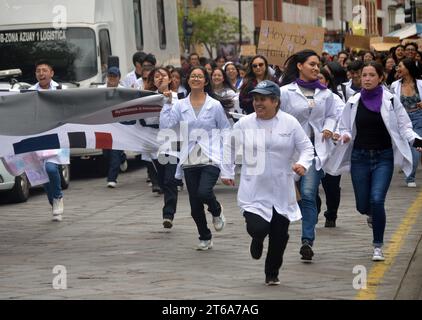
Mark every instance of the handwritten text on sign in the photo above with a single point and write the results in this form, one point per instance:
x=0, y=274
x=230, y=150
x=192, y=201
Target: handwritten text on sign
x=278, y=40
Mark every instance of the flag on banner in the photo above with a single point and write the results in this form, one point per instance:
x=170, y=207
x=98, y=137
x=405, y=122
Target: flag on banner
x=19, y=156
x=34, y=112
x=116, y=136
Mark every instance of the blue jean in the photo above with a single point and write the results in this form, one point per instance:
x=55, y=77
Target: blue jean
x=309, y=185
x=54, y=187
x=416, y=118
x=372, y=171
x=115, y=159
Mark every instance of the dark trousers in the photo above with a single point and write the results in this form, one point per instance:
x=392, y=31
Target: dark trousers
x=152, y=174
x=331, y=185
x=115, y=159
x=200, y=182
x=278, y=236
x=168, y=184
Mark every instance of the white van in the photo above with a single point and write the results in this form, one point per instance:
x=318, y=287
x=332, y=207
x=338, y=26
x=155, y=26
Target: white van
x=79, y=36
x=92, y=30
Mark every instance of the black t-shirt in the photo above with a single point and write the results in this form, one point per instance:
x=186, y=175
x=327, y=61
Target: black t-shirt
x=371, y=131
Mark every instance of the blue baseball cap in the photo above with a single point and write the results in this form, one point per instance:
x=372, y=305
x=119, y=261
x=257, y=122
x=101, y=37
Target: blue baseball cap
x=113, y=71
x=267, y=88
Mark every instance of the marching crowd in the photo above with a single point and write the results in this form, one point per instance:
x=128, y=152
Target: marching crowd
x=314, y=118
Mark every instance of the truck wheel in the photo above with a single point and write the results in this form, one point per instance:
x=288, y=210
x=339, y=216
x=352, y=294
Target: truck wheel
x=64, y=176
x=20, y=191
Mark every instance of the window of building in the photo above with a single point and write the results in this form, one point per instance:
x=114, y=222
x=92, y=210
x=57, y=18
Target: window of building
x=139, y=32
x=161, y=24
x=329, y=9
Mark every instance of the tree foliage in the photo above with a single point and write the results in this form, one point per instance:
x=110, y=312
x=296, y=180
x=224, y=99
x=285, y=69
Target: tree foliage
x=211, y=28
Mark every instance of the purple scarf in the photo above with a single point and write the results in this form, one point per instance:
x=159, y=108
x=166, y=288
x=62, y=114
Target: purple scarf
x=372, y=99
x=311, y=84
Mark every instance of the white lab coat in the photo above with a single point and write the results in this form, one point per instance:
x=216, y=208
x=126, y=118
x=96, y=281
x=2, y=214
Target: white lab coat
x=211, y=117
x=323, y=116
x=131, y=81
x=57, y=156
x=398, y=125
x=339, y=103
x=347, y=90
x=396, y=88
x=275, y=186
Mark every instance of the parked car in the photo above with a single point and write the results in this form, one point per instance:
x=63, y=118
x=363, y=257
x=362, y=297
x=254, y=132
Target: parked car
x=17, y=188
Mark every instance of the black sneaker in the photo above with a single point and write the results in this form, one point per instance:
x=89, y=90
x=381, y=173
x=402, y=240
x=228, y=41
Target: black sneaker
x=369, y=221
x=167, y=223
x=256, y=249
x=156, y=188
x=330, y=223
x=272, y=281
x=306, y=252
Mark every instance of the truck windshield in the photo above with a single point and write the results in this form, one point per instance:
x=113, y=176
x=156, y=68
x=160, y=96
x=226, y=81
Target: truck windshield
x=72, y=52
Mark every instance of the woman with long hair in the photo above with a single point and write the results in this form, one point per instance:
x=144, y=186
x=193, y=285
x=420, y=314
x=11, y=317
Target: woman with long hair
x=200, y=158
x=312, y=104
x=376, y=132
x=159, y=80
x=232, y=72
x=409, y=90
x=177, y=81
x=257, y=71
x=224, y=90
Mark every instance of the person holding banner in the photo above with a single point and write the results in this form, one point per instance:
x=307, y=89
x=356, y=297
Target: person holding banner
x=159, y=80
x=312, y=104
x=200, y=155
x=52, y=159
x=115, y=158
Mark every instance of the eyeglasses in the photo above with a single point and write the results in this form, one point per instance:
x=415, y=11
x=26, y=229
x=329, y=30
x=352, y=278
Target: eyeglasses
x=410, y=49
x=196, y=76
x=258, y=65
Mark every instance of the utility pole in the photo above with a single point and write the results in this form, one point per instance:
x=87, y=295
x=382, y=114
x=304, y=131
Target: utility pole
x=240, y=23
x=185, y=21
x=341, y=21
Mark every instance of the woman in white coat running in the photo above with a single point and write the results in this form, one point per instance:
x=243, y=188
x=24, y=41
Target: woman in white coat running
x=312, y=104
x=376, y=132
x=267, y=194
x=200, y=156
x=409, y=90
x=331, y=184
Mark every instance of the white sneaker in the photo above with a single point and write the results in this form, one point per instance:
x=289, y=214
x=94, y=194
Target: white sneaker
x=124, y=166
x=219, y=222
x=378, y=255
x=58, y=207
x=411, y=184
x=204, y=245
x=111, y=184
x=57, y=217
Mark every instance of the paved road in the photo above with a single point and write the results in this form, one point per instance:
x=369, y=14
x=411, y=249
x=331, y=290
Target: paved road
x=113, y=246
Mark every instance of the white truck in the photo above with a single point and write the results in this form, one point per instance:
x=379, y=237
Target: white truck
x=79, y=36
